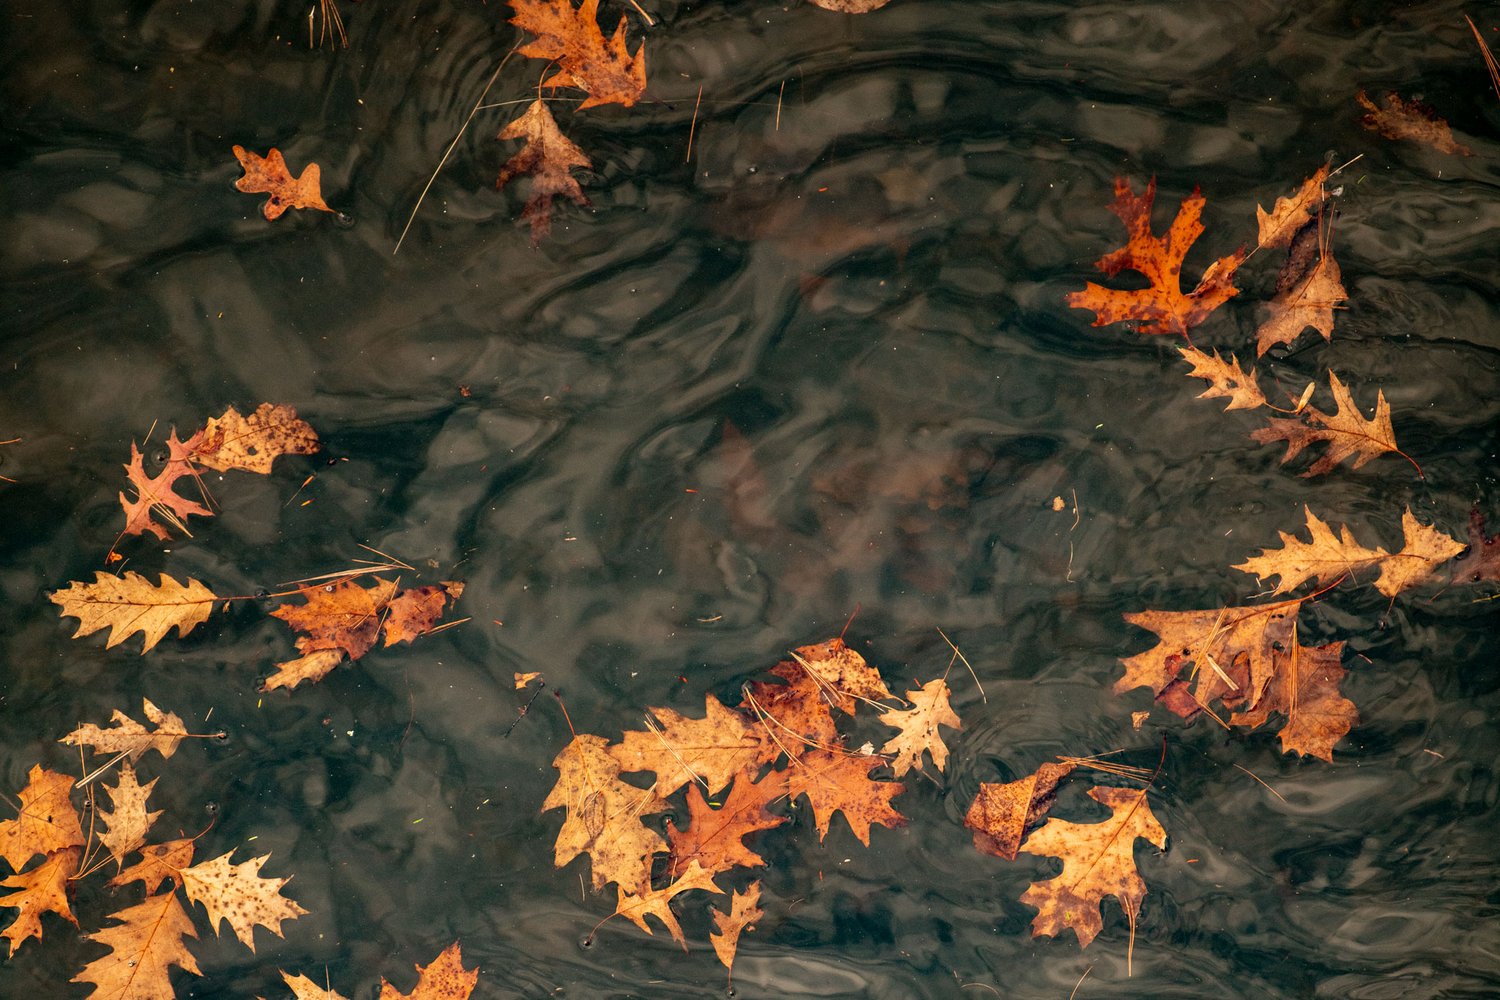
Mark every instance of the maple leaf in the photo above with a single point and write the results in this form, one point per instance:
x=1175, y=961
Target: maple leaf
x=1398, y=118
x=43, y=889
x=240, y=895
x=1289, y=215
x=305, y=989
x=1226, y=379
x=713, y=749
x=147, y=940
x=744, y=911
x=1325, y=557
x=840, y=782
x=158, y=863
x=547, y=158
x=602, y=68
x=603, y=816
x=1163, y=307
x=1308, y=290
x=252, y=443
x=47, y=821
x=654, y=902
x=128, y=822
x=919, y=728
x=842, y=673
x=1002, y=812
x=445, y=979
x=1098, y=860
x=1483, y=559
x=714, y=838
x=1346, y=431
x=1305, y=689
x=268, y=175
x=158, y=493
x=130, y=603
x=130, y=737
x=416, y=611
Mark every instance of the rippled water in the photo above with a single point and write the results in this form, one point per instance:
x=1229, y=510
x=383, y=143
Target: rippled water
x=824, y=366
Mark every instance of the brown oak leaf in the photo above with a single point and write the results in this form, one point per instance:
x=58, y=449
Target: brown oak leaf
x=795, y=712
x=1398, y=118
x=240, y=895
x=147, y=940
x=715, y=837
x=843, y=673
x=1163, y=307
x=158, y=863
x=1289, y=215
x=919, y=728
x=744, y=911
x=126, y=824
x=43, y=889
x=1308, y=290
x=602, y=68
x=47, y=821
x=1002, y=813
x=1226, y=379
x=604, y=816
x=713, y=749
x=1305, y=689
x=268, y=175
x=158, y=494
x=417, y=610
x=548, y=158
x=1346, y=431
x=130, y=603
x=445, y=979
x=129, y=736
x=253, y=443
x=654, y=902
x=840, y=782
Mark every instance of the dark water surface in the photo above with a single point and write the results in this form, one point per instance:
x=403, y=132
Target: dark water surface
x=826, y=366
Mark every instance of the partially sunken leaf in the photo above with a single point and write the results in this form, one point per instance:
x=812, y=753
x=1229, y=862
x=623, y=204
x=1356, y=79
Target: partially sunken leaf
x=841, y=782
x=253, y=443
x=416, y=611
x=1225, y=379
x=744, y=911
x=654, y=902
x=268, y=175
x=1398, y=118
x=604, y=816
x=305, y=989
x=240, y=895
x=1308, y=290
x=312, y=667
x=1002, y=813
x=919, y=728
x=47, y=823
x=1346, y=431
x=1098, y=861
x=159, y=862
x=1163, y=307
x=1483, y=559
x=1289, y=215
x=602, y=68
x=848, y=7
x=548, y=158
x=147, y=941
x=130, y=603
x=713, y=749
x=126, y=824
x=43, y=889
x=445, y=979
x=157, y=495
x=129, y=736
x=1305, y=690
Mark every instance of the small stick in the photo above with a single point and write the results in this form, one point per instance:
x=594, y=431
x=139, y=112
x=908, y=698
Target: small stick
x=694, y=126
x=779, y=94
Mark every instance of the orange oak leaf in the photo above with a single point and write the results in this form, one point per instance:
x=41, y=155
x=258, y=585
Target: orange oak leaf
x=1226, y=379
x=158, y=863
x=1289, y=215
x=240, y=895
x=1002, y=813
x=158, y=494
x=1482, y=562
x=342, y=615
x=1305, y=690
x=744, y=911
x=47, y=821
x=1098, y=861
x=604, y=816
x=126, y=824
x=129, y=736
x=548, y=158
x=1308, y=290
x=268, y=175
x=654, y=902
x=714, y=838
x=1397, y=118
x=713, y=749
x=602, y=68
x=1163, y=307
x=43, y=889
x=416, y=610
x=919, y=728
x=840, y=782
x=305, y=989
x=253, y=443
x=1346, y=431
x=147, y=940
x=1326, y=557
x=130, y=603
x=842, y=673
x=795, y=712
x=445, y=979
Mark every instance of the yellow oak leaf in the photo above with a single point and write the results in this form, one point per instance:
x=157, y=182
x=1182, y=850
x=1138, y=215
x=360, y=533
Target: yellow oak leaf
x=127, y=823
x=158, y=863
x=744, y=911
x=252, y=443
x=43, y=889
x=713, y=749
x=305, y=989
x=240, y=895
x=1289, y=215
x=604, y=816
x=130, y=603
x=47, y=821
x=919, y=728
x=130, y=737
x=147, y=940
x=1226, y=379
x=654, y=902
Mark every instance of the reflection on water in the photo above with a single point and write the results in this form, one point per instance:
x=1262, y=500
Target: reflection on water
x=825, y=366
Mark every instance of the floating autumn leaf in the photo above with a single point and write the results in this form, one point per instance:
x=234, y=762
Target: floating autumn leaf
x=794, y=713
x=654, y=902
x=604, y=816
x=843, y=673
x=127, y=822
x=850, y=7
x=602, y=68
x=416, y=611
x=445, y=979
x=146, y=942
x=1289, y=215
x=47, y=821
x=1098, y=861
x=43, y=889
x=837, y=782
x=1226, y=379
x=714, y=838
x=919, y=728
x=1305, y=689
x=713, y=749
x=130, y=737
x=1326, y=557
x=159, y=862
x=158, y=494
x=548, y=159
x=1398, y=118
x=1346, y=431
x=1163, y=307
x=268, y=175
x=1482, y=562
x=1308, y=290
x=744, y=911
x=130, y=603
x=252, y=443
x=305, y=989
x=1002, y=813
x=240, y=895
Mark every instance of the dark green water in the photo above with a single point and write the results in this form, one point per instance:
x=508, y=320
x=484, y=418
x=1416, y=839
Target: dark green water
x=867, y=292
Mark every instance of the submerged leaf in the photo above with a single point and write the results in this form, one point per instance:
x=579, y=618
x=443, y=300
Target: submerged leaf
x=548, y=158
